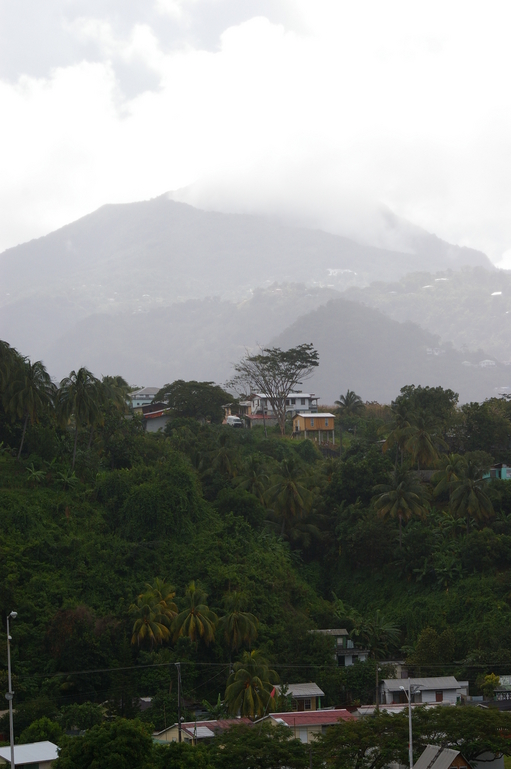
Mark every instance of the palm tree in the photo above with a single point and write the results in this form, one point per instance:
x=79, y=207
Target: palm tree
x=254, y=477
x=421, y=443
x=79, y=396
x=450, y=468
x=402, y=498
x=350, y=404
x=468, y=495
x=250, y=687
x=154, y=611
x=238, y=626
x=291, y=497
x=29, y=391
x=401, y=429
x=196, y=620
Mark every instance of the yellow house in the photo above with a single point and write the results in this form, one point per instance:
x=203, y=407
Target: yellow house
x=317, y=426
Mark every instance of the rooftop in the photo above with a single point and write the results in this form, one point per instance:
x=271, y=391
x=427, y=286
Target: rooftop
x=311, y=717
x=215, y=725
x=435, y=682
x=32, y=753
x=436, y=757
x=303, y=690
x=315, y=414
x=332, y=631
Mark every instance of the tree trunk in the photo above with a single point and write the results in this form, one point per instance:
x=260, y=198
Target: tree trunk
x=25, y=423
x=400, y=531
x=74, y=448
x=90, y=437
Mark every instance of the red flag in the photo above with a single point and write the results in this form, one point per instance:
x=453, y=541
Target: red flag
x=272, y=692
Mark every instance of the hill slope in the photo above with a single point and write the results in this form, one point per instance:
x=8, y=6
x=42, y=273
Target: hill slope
x=470, y=308
x=364, y=350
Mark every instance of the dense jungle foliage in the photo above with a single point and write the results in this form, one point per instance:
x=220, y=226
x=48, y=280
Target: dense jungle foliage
x=125, y=552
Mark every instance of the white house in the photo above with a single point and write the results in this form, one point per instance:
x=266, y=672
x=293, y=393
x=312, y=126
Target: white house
x=436, y=689
x=143, y=397
x=295, y=402
x=34, y=754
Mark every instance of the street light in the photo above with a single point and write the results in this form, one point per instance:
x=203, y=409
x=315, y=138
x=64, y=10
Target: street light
x=411, y=690
x=10, y=693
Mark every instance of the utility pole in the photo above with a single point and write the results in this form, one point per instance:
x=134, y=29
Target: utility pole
x=10, y=694
x=178, y=666
x=411, y=690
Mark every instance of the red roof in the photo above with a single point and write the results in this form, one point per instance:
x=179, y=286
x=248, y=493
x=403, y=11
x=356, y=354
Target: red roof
x=314, y=717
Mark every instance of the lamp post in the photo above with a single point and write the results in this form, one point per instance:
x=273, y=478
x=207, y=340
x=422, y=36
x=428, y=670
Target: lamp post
x=411, y=690
x=10, y=694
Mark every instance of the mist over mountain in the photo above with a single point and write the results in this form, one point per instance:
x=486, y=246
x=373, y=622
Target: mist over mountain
x=160, y=290
x=470, y=307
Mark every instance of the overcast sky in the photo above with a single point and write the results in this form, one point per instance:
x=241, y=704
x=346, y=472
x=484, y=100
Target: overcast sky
x=324, y=109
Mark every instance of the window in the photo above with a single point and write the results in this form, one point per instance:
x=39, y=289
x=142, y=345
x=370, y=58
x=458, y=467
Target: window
x=307, y=704
x=439, y=696
x=303, y=401
x=294, y=705
x=293, y=401
x=302, y=734
x=312, y=423
x=326, y=422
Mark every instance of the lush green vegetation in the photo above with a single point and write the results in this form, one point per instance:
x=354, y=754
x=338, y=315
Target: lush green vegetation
x=125, y=552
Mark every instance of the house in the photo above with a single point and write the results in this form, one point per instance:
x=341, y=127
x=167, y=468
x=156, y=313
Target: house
x=142, y=398
x=346, y=652
x=258, y=405
x=155, y=416
x=304, y=696
x=36, y=755
x=317, y=426
x=308, y=724
x=435, y=689
x=193, y=731
x=500, y=470
x=436, y=757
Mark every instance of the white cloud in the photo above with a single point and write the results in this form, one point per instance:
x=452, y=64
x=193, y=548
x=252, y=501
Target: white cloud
x=397, y=103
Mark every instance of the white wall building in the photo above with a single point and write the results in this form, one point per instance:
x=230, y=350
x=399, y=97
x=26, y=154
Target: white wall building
x=436, y=689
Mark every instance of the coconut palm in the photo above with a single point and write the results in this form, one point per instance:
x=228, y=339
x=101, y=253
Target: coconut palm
x=28, y=393
x=450, y=468
x=421, y=443
x=238, y=626
x=79, y=397
x=468, y=496
x=402, y=498
x=289, y=494
x=401, y=430
x=152, y=618
x=196, y=621
x=251, y=686
x=349, y=405
x=254, y=477
x=377, y=634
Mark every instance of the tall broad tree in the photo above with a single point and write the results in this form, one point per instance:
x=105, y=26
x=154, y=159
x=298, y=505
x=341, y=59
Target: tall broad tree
x=196, y=400
x=28, y=393
x=79, y=397
x=275, y=373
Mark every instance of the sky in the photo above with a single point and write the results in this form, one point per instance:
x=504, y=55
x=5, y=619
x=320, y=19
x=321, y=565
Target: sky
x=318, y=110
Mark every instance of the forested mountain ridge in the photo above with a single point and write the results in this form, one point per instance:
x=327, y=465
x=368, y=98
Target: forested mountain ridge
x=470, y=307
x=136, y=258
x=363, y=349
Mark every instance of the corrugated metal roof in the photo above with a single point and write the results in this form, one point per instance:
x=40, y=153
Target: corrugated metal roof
x=313, y=717
x=200, y=732
x=304, y=690
x=435, y=757
x=435, y=682
x=315, y=414
x=332, y=631
x=221, y=723
x=32, y=753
